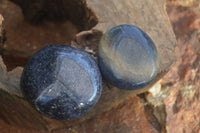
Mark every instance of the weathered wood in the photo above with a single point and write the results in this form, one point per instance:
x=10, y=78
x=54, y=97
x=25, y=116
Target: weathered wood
x=2, y=34
x=150, y=16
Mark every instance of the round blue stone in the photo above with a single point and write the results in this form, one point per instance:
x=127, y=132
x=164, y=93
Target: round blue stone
x=61, y=82
x=127, y=57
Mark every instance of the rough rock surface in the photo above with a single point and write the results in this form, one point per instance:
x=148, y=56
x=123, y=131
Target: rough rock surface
x=183, y=102
x=178, y=94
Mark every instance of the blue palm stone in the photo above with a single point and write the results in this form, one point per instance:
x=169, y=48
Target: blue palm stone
x=127, y=57
x=61, y=82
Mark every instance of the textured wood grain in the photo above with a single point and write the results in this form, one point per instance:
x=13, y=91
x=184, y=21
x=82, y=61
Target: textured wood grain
x=150, y=16
x=2, y=34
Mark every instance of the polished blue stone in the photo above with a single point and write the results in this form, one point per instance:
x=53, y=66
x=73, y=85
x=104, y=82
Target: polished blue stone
x=61, y=82
x=127, y=57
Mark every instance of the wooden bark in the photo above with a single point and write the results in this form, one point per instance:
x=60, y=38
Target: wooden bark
x=102, y=15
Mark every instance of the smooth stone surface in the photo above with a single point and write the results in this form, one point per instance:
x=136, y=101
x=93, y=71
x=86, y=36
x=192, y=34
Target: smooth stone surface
x=127, y=57
x=61, y=82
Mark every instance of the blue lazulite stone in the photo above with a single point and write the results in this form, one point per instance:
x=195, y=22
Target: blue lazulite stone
x=127, y=57
x=61, y=82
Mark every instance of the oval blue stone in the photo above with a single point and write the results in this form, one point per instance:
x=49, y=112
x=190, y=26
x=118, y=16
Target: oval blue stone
x=127, y=57
x=61, y=82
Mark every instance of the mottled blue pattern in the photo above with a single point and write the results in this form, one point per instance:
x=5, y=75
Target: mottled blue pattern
x=61, y=82
x=127, y=57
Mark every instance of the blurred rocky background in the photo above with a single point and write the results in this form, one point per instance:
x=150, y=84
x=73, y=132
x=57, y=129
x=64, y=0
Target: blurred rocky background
x=172, y=105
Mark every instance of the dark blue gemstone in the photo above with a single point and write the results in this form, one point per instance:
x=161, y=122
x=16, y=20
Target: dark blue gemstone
x=61, y=82
x=127, y=57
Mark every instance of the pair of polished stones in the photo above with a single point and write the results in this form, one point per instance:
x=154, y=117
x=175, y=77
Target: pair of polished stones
x=64, y=83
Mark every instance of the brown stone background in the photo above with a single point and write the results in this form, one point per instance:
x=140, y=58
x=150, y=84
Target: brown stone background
x=172, y=105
